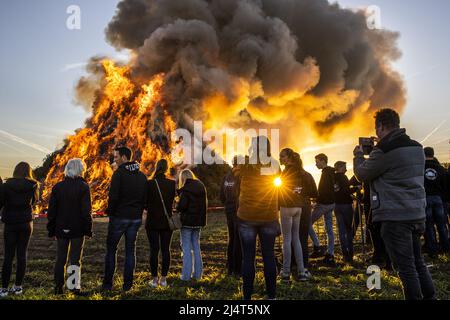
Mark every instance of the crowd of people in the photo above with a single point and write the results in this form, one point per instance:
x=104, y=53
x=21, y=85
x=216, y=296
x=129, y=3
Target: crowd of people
x=400, y=189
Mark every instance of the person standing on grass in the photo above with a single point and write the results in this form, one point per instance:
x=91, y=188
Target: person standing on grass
x=395, y=170
x=70, y=222
x=192, y=206
x=435, y=188
x=17, y=198
x=258, y=214
x=344, y=210
x=126, y=204
x=308, y=192
x=229, y=196
x=324, y=207
x=161, y=195
x=291, y=203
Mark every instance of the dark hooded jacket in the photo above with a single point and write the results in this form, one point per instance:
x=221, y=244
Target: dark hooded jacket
x=343, y=190
x=326, y=186
x=156, y=218
x=69, y=210
x=128, y=192
x=290, y=194
x=17, y=197
x=309, y=187
x=229, y=193
x=193, y=204
x=435, y=178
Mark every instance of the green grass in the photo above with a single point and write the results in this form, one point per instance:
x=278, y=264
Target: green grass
x=344, y=282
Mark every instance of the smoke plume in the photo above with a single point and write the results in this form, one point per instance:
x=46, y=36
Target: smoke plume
x=303, y=65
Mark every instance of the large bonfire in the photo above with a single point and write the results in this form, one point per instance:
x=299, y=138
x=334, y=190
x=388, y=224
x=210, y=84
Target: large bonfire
x=124, y=114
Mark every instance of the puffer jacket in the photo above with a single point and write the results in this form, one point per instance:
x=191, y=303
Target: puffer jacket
x=395, y=172
x=193, y=204
x=17, y=196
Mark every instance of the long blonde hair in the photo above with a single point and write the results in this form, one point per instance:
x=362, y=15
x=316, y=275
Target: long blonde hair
x=184, y=175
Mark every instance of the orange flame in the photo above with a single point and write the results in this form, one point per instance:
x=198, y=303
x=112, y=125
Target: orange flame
x=122, y=114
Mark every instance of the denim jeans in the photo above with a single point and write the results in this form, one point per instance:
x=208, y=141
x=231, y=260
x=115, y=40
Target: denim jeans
x=267, y=233
x=325, y=210
x=402, y=240
x=344, y=218
x=116, y=229
x=190, y=244
x=436, y=215
x=290, y=225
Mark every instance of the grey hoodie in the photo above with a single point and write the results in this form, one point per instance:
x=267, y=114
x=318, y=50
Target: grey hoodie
x=395, y=172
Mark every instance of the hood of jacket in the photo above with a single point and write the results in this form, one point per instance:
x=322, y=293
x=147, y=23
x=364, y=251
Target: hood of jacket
x=131, y=167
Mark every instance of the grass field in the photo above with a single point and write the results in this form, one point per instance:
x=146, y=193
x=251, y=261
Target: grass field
x=344, y=282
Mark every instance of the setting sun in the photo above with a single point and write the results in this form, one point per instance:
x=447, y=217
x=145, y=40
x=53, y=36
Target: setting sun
x=278, y=182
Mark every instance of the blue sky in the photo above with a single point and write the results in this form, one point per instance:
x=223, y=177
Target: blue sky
x=39, y=58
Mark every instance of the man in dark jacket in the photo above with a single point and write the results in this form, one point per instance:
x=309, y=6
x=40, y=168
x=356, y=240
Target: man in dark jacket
x=395, y=171
x=344, y=210
x=126, y=203
x=324, y=207
x=229, y=197
x=435, y=188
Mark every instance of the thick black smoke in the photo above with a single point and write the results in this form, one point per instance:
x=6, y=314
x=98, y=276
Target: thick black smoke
x=272, y=60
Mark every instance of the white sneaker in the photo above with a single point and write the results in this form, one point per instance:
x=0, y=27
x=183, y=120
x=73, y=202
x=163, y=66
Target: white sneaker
x=163, y=283
x=3, y=292
x=154, y=283
x=16, y=290
x=308, y=274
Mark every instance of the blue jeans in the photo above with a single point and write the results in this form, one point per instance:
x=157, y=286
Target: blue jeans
x=267, y=233
x=190, y=244
x=344, y=218
x=116, y=229
x=436, y=215
x=325, y=210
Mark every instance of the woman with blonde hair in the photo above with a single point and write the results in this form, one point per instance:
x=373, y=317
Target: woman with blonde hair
x=17, y=198
x=192, y=207
x=70, y=221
